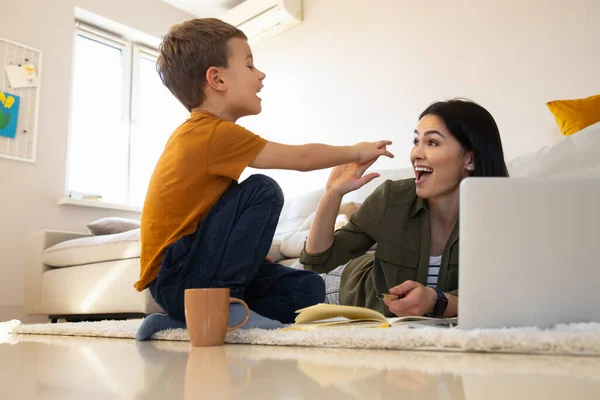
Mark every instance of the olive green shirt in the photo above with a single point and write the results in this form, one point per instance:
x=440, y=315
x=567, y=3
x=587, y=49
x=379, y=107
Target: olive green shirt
x=397, y=220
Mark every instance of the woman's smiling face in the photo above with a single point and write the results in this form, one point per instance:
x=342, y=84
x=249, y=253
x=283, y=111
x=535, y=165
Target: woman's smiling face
x=439, y=160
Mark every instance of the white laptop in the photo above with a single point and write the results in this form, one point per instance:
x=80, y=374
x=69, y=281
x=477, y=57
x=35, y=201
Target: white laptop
x=529, y=252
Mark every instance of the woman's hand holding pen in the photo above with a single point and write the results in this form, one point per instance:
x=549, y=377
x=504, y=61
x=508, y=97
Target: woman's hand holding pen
x=412, y=299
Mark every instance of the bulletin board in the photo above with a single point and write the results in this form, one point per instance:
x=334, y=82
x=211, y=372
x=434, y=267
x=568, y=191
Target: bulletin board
x=19, y=102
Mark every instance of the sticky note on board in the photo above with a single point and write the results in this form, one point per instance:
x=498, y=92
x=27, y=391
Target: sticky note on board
x=21, y=76
x=9, y=114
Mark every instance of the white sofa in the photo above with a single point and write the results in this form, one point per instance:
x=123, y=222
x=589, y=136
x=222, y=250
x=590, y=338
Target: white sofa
x=75, y=275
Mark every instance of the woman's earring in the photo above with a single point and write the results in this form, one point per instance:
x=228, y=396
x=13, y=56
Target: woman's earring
x=470, y=168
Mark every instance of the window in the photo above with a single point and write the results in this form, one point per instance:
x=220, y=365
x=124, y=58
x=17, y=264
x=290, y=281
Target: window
x=121, y=117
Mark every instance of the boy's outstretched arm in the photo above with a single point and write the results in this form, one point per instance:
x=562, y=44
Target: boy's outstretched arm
x=309, y=157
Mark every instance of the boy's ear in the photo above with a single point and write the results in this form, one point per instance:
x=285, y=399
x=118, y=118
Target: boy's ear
x=214, y=79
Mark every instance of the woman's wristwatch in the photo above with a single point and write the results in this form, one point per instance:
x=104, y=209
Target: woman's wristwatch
x=440, y=305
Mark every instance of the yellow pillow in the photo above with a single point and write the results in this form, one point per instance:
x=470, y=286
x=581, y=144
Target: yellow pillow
x=574, y=115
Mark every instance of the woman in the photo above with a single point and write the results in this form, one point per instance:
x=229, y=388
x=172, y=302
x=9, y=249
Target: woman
x=413, y=222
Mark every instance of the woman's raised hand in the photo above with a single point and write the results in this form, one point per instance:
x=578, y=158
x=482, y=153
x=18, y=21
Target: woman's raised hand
x=349, y=177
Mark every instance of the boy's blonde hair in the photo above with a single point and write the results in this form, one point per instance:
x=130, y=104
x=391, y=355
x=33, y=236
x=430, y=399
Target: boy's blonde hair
x=186, y=53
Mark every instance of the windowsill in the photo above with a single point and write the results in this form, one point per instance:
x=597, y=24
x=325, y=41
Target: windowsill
x=66, y=201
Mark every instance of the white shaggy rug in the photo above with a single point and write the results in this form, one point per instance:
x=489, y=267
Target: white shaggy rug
x=574, y=339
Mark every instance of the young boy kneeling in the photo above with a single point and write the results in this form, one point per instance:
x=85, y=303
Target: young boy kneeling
x=201, y=228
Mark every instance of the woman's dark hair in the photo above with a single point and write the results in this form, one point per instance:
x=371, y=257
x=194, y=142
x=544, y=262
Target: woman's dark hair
x=476, y=130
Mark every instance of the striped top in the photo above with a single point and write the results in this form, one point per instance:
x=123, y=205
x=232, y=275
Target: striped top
x=434, y=271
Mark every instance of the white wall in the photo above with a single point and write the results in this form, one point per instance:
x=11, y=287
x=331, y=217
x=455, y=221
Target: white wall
x=30, y=192
x=358, y=70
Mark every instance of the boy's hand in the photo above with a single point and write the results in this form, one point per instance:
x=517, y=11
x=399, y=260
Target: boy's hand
x=368, y=151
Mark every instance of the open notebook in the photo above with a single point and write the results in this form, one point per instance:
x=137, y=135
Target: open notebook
x=332, y=315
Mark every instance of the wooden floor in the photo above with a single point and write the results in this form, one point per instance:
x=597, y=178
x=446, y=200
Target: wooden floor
x=53, y=367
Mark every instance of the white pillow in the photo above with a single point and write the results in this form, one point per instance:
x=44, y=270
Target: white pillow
x=112, y=225
x=292, y=244
x=295, y=211
x=395, y=174
x=575, y=156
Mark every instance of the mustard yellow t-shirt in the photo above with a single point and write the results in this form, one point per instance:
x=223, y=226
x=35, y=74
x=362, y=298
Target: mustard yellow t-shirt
x=201, y=159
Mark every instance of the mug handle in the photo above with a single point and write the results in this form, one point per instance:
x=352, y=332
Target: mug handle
x=234, y=300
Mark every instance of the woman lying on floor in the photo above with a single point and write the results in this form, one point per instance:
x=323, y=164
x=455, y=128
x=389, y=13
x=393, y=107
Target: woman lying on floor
x=413, y=222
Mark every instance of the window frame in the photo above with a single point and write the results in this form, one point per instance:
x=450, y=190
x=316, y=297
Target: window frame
x=131, y=53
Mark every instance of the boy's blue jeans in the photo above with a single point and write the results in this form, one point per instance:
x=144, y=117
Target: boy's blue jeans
x=229, y=249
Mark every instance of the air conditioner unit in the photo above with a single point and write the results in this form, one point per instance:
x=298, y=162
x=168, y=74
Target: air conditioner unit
x=261, y=19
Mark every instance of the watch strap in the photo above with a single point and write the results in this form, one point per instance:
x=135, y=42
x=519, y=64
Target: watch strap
x=440, y=305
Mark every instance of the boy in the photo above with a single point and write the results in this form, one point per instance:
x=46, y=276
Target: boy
x=200, y=227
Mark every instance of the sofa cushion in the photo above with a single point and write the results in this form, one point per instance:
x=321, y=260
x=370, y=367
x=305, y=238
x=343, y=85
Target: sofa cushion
x=111, y=225
x=98, y=288
x=94, y=249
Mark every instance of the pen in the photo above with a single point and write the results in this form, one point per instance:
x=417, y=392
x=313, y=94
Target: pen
x=389, y=297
